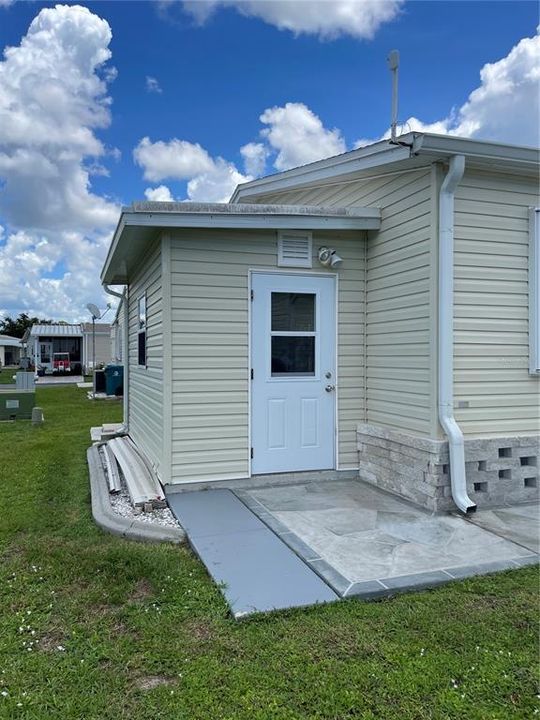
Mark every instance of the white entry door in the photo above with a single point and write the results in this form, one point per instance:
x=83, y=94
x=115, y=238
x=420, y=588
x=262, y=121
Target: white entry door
x=46, y=355
x=293, y=335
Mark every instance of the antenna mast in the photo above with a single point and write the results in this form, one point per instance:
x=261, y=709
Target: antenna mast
x=393, y=65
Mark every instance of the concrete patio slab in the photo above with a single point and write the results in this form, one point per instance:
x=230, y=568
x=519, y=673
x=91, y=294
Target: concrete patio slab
x=59, y=380
x=518, y=523
x=365, y=542
x=256, y=571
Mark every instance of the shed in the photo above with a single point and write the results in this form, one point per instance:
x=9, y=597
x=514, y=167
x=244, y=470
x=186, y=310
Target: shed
x=373, y=314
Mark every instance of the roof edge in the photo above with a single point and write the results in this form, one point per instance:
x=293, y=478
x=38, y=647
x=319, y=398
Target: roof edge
x=385, y=152
x=163, y=215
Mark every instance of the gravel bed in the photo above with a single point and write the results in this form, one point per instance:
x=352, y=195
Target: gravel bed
x=121, y=504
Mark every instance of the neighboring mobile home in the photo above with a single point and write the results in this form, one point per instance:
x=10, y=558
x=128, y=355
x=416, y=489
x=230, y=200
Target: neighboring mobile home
x=43, y=341
x=410, y=356
x=10, y=350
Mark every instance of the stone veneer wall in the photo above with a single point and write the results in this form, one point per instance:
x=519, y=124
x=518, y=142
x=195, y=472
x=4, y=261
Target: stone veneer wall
x=502, y=470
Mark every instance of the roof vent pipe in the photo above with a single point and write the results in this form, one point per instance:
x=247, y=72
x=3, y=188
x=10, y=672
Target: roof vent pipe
x=448, y=422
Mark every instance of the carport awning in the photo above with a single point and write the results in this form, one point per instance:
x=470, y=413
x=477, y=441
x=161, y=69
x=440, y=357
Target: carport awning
x=142, y=222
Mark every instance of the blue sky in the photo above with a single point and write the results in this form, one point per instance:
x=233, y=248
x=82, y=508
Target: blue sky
x=324, y=87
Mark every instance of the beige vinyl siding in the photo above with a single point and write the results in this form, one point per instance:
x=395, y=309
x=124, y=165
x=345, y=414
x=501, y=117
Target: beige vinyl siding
x=146, y=383
x=399, y=381
x=491, y=306
x=210, y=356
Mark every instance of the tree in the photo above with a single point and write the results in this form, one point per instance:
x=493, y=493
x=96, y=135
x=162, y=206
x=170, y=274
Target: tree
x=16, y=327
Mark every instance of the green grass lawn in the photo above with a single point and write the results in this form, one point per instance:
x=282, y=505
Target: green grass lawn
x=94, y=627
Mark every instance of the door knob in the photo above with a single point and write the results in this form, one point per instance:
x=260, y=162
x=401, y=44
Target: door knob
x=330, y=388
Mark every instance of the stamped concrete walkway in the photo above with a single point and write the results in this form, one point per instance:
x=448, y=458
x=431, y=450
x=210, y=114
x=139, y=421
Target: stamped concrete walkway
x=368, y=543
x=255, y=569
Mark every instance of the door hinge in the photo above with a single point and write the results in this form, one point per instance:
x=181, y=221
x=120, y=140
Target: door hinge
x=252, y=374
x=251, y=453
x=252, y=295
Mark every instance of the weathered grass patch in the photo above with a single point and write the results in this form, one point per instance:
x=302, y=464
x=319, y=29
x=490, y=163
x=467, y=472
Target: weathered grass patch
x=96, y=628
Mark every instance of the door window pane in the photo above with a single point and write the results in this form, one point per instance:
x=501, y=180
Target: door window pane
x=293, y=355
x=293, y=312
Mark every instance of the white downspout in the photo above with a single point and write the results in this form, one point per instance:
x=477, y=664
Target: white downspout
x=448, y=422
x=125, y=355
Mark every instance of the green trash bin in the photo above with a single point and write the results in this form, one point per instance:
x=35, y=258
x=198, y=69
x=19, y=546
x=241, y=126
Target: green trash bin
x=114, y=379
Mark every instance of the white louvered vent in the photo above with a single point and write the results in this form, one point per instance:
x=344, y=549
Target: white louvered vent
x=294, y=249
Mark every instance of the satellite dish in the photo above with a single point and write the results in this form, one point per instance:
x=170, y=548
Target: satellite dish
x=94, y=310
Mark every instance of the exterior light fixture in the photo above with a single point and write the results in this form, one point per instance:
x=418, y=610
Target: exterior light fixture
x=329, y=258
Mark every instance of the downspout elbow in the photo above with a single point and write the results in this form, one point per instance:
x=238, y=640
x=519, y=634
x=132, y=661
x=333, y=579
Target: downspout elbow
x=456, y=452
x=110, y=291
x=456, y=445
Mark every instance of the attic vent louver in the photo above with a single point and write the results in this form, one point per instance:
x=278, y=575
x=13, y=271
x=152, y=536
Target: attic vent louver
x=294, y=249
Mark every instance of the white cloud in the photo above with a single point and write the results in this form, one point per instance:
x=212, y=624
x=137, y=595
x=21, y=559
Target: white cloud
x=504, y=108
x=173, y=160
x=298, y=136
x=209, y=179
x=328, y=19
x=161, y=193
x=27, y=282
x=294, y=135
x=53, y=96
x=216, y=185
x=254, y=155
x=51, y=99
x=152, y=85
x=506, y=105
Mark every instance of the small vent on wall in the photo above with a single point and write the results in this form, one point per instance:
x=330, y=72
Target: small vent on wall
x=294, y=249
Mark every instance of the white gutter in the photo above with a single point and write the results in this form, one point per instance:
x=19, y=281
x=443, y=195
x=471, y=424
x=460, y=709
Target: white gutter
x=125, y=356
x=456, y=447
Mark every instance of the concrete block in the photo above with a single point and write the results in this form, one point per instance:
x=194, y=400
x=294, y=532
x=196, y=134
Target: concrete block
x=437, y=455
x=526, y=471
x=427, y=444
x=37, y=416
x=414, y=467
x=436, y=480
x=503, y=464
x=530, y=452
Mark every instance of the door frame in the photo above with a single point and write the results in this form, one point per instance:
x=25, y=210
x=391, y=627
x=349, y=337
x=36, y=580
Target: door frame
x=51, y=345
x=310, y=274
